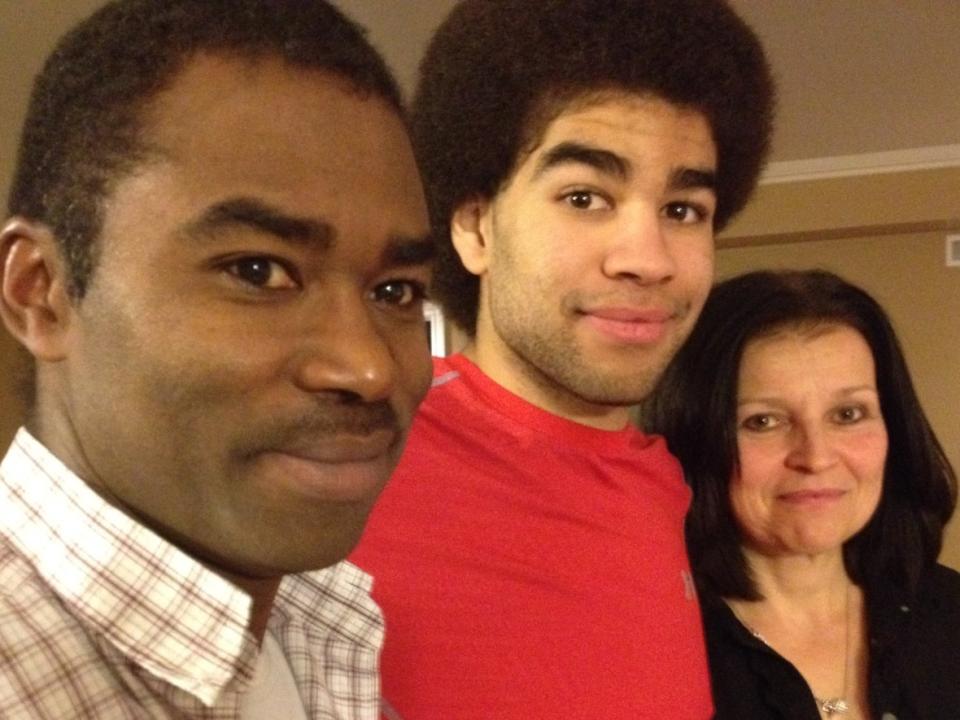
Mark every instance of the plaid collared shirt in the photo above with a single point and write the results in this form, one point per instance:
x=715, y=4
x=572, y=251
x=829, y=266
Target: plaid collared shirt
x=102, y=618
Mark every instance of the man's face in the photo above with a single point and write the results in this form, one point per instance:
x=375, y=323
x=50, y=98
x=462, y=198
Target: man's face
x=597, y=256
x=251, y=350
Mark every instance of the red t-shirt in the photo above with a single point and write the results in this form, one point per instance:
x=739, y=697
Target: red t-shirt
x=532, y=567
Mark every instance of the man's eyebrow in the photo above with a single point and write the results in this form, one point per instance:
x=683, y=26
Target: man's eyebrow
x=410, y=251
x=260, y=216
x=693, y=178
x=604, y=161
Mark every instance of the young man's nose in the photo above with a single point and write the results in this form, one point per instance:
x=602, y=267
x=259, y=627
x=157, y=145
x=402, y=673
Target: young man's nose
x=640, y=250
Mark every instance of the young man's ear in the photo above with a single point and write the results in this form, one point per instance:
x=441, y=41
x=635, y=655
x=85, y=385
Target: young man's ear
x=34, y=303
x=470, y=231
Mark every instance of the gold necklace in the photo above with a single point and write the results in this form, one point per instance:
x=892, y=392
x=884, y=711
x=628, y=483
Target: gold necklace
x=838, y=705
x=828, y=706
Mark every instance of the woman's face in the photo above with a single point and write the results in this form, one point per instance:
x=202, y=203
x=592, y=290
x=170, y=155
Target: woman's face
x=811, y=439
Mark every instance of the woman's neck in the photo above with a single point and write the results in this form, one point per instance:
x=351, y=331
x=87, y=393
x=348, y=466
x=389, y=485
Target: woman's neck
x=799, y=584
x=812, y=614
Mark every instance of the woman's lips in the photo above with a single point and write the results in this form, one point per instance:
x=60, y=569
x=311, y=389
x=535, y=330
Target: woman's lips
x=812, y=497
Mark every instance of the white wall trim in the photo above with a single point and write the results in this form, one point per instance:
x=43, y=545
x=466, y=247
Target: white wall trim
x=433, y=315
x=924, y=158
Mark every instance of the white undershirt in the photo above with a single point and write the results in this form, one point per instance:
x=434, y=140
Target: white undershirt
x=272, y=693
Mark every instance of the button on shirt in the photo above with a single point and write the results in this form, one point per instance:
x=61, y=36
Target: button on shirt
x=102, y=618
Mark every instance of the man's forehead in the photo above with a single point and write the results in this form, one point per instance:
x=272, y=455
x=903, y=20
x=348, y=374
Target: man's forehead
x=227, y=89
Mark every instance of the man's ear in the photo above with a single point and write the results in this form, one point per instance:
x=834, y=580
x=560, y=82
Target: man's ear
x=471, y=233
x=34, y=303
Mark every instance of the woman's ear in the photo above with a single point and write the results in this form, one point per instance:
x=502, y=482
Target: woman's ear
x=34, y=303
x=471, y=233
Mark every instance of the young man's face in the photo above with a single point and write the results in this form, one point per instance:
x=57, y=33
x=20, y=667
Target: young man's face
x=596, y=257
x=251, y=349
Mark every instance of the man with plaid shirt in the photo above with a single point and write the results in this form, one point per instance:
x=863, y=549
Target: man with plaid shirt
x=216, y=256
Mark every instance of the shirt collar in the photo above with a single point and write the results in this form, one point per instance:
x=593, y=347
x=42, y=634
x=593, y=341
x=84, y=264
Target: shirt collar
x=161, y=608
x=164, y=610
x=336, y=598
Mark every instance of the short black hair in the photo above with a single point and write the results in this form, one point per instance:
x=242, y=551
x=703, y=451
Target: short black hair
x=83, y=126
x=694, y=406
x=497, y=72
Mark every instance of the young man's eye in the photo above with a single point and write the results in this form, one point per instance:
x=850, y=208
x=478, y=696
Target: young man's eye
x=400, y=293
x=262, y=272
x=685, y=213
x=586, y=200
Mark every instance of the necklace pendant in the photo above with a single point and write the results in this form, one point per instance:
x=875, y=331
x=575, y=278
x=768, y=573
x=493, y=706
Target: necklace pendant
x=834, y=706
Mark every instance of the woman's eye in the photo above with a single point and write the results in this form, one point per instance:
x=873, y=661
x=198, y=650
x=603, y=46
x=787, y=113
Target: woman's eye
x=400, y=293
x=262, y=272
x=759, y=423
x=586, y=200
x=849, y=415
x=685, y=213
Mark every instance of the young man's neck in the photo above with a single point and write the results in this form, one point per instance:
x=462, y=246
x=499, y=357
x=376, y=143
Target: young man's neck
x=540, y=391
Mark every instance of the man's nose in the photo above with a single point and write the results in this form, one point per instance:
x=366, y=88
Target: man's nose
x=344, y=350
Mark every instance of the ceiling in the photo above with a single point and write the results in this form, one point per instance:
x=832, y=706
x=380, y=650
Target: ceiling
x=856, y=77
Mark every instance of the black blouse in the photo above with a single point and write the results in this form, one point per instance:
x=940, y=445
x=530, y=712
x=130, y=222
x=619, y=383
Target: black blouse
x=914, y=665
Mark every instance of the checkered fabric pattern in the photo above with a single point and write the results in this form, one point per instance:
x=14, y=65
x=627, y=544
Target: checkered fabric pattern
x=102, y=618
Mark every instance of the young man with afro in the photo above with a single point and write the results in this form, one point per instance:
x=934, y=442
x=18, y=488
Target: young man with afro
x=578, y=157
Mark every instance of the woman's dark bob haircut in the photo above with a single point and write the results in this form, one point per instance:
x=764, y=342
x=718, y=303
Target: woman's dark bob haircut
x=694, y=406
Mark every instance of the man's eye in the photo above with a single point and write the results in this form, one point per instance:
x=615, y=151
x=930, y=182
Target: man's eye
x=685, y=213
x=586, y=200
x=400, y=293
x=262, y=272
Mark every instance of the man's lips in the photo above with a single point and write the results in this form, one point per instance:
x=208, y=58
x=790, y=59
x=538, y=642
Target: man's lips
x=342, y=468
x=343, y=448
x=628, y=324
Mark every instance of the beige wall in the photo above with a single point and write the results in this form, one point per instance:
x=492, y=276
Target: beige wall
x=13, y=365
x=905, y=271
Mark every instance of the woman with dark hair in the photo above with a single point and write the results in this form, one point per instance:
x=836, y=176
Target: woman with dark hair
x=820, y=498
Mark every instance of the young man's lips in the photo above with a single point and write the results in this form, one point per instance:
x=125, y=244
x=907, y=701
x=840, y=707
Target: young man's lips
x=630, y=325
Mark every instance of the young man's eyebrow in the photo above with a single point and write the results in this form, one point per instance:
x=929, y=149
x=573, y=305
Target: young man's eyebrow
x=692, y=178
x=610, y=163
x=604, y=161
x=262, y=217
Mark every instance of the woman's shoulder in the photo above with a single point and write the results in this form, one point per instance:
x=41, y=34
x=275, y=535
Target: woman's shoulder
x=940, y=579
x=941, y=586
x=917, y=644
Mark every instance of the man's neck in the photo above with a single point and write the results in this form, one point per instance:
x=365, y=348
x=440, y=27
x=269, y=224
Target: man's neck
x=262, y=592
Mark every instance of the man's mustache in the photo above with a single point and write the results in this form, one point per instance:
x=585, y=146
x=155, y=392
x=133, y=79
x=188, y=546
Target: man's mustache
x=326, y=420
